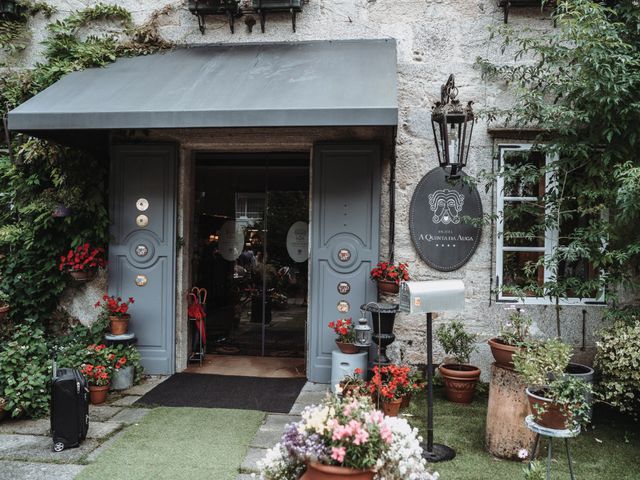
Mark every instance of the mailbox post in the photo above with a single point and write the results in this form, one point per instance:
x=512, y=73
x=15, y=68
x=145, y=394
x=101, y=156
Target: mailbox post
x=429, y=297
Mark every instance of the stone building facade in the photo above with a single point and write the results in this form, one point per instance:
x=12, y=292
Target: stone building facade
x=434, y=39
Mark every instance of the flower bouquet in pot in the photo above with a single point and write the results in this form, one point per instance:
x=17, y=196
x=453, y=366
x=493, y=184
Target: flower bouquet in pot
x=460, y=378
x=83, y=262
x=557, y=400
x=388, y=386
x=117, y=311
x=346, y=335
x=388, y=276
x=352, y=385
x=346, y=438
x=97, y=369
x=514, y=332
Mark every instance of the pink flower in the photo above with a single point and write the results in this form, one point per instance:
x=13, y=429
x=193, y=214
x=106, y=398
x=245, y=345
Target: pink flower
x=337, y=453
x=361, y=437
x=386, y=434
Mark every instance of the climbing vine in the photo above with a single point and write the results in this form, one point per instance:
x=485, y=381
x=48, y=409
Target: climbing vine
x=37, y=175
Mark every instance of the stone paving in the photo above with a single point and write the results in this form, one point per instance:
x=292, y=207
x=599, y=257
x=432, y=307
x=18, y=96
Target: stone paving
x=271, y=429
x=25, y=445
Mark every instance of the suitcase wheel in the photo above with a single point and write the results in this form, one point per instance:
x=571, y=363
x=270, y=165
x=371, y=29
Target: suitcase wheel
x=58, y=447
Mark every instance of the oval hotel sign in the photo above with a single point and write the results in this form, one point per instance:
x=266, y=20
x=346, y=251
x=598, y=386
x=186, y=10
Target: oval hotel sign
x=437, y=220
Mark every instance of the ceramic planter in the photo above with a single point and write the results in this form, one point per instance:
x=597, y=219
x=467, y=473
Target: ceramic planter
x=317, y=471
x=555, y=416
x=406, y=401
x=584, y=373
x=347, y=347
x=390, y=288
x=98, y=394
x=391, y=408
x=460, y=382
x=4, y=311
x=502, y=353
x=119, y=325
x=82, y=276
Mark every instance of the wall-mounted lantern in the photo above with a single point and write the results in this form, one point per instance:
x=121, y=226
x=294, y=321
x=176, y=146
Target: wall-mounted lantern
x=507, y=4
x=265, y=6
x=202, y=8
x=10, y=10
x=363, y=332
x=452, y=125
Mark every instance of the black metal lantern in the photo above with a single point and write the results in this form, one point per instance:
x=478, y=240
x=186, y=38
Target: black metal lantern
x=452, y=125
x=363, y=332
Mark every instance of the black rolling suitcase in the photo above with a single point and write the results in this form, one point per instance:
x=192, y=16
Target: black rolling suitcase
x=69, y=409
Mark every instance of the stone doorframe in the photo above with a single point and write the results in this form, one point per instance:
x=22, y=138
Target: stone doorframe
x=248, y=140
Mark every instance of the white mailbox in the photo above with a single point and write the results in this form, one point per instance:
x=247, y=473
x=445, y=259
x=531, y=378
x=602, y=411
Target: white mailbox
x=432, y=296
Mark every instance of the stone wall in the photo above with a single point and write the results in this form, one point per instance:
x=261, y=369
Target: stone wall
x=434, y=38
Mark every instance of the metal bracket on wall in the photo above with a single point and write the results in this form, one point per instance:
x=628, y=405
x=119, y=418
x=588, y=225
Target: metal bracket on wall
x=264, y=6
x=507, y=4
x=202, y=8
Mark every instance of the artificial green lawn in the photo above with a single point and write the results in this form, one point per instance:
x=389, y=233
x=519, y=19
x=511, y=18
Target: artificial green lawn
x=608, y=450
x=176, y=443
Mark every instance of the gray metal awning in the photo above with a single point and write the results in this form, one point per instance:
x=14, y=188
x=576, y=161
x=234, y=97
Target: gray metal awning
x=319, y=83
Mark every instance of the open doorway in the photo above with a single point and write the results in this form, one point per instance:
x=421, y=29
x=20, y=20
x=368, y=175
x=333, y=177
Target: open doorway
x=251, y=232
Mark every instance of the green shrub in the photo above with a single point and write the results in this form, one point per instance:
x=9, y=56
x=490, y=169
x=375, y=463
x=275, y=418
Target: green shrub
x=540, y=362
x=456, y=341
x=618, y=365
x=25, y=372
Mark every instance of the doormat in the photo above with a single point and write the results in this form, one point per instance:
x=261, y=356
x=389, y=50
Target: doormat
x=276, y=395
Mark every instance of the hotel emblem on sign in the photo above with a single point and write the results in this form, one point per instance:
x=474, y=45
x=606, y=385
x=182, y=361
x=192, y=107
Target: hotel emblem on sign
x=443, y=220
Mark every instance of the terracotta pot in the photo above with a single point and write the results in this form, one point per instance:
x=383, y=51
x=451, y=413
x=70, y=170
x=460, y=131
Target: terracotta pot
x=385, y=286
x=391, y=408
x=317, y=471
x=347, y=347
x=4, y=311
x=460, y=382
x=502, y=353
x=119, y=325
x=82, y=276
x=98, y=394
x=555, y=415
x=406, y=401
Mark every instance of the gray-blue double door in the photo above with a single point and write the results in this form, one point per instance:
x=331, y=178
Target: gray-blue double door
x=345, y=243
x=142, y=251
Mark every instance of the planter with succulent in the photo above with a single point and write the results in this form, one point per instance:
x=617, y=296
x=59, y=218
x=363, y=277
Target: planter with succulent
x=117, y=311
x=388, y=386
x=344, y=329
x=557, y=400
x=5, y=305
x=513, y=335
x=83, y=262
x=460, y=378
x=388, y=276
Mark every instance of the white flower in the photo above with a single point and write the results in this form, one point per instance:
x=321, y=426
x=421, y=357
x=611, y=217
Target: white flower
x=523, y=453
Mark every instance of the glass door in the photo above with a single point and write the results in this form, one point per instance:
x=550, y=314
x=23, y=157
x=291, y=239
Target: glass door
x=252, y=252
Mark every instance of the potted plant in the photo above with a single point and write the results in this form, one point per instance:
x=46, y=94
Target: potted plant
x=345, y=438
x=557, y=400
x=460, y=378
x=82, y=262
x=343, y=327
x=388, y=385
x=97, y=370
x=4, y=305
x=352, y=385
x=117, y=312
x=513, y=334
x=388, y=276
x=416, y=384
x=3, y=403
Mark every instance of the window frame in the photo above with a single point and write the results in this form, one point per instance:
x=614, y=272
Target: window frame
x=551, y=240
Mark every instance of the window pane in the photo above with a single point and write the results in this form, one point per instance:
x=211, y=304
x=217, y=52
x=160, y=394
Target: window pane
x=580, y=278
x=519, y=278
x=523, y=173
x=523, y=224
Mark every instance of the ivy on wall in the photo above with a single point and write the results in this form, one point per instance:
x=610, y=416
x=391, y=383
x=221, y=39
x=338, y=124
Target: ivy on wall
x=37, y=175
